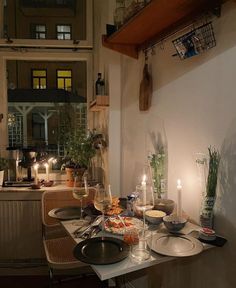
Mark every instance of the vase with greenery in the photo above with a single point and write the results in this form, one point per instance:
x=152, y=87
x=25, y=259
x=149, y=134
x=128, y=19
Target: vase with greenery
x=208, y=201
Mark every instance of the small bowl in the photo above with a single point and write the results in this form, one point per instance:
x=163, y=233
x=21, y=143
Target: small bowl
x=174, y=223
x=35, y=186
x=48, y=183
x=154, y=216
x=166, y=205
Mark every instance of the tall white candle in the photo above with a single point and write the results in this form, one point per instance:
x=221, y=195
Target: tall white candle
x=144, y=188
x=47, y=171
x=36, y=167
x=179, y=202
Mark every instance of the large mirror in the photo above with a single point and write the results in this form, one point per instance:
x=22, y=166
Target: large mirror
x=42, y=98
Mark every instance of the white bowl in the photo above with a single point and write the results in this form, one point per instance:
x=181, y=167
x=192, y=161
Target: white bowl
x=154, y=216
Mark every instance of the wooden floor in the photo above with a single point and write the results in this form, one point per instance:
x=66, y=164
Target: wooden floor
x=43, y=282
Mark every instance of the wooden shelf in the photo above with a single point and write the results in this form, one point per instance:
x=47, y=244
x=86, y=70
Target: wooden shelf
x=154, y=22
x=100, y=103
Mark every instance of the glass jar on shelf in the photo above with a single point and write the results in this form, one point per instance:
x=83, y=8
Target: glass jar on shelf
x=119, y=13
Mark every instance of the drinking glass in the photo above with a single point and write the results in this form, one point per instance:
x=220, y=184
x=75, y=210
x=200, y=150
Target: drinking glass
x=102, y=202
x=80, y=192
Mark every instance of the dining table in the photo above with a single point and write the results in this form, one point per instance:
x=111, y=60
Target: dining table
x=128, y=265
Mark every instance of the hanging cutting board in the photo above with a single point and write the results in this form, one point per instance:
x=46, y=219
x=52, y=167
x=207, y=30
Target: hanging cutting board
x=145, y=91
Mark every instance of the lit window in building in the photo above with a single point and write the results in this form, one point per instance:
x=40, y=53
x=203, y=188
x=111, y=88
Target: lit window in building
x=63, y=32
x=64, y=79
x=39, y=79
x=38, y=31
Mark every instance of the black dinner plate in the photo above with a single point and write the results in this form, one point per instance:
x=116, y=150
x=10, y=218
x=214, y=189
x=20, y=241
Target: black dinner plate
x=101, y=250
x=65, y=213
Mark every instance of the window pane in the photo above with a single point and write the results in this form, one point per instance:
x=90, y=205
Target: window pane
x=63, y=28
x=43, y=83
x=41, y=73
x=67, y=36
x=60, y=83
x=68, y=84
x=35, y=83
x=40, y=28
x=63, y=73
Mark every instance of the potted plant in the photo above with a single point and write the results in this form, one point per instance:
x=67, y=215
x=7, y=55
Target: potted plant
x=3, y=166
x=206, y=216
x=79, y=150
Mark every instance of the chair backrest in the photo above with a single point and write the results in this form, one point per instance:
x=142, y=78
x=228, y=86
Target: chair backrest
x=59, y=199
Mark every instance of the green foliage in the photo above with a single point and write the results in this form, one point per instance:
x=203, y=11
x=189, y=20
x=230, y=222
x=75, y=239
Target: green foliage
x=214, y=161
x=157, y=163
x=79, y=149
x=3, y=163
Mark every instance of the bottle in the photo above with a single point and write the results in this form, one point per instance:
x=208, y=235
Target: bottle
x=100, y=85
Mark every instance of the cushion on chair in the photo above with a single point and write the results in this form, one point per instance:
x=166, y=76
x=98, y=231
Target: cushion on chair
x=59, y=253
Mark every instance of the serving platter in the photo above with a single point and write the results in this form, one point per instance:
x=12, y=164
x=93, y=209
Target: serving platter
x=101, y=250
x=175, y=245
x=120, y=224
x=65, y=213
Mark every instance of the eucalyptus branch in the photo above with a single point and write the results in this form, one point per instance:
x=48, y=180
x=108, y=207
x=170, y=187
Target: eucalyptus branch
x=214, y=161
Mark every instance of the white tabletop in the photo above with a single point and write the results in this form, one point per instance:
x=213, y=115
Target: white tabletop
x=127, y=265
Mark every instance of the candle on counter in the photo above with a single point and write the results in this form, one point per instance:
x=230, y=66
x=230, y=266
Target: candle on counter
x=179, y=202
x=144, y=188
x=36, y=167
x=47, y=171
x=85, y=183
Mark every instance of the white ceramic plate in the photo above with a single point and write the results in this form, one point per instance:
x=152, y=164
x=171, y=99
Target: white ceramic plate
x=175, y=245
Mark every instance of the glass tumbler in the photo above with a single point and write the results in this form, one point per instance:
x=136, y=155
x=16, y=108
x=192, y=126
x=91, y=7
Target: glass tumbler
x=141, y=251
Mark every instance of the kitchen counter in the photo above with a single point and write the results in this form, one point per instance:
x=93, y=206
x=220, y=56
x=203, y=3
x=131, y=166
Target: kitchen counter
x=27, y=193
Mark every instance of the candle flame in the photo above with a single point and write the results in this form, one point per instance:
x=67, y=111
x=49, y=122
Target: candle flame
x=36, y=166
x=179, y=183
x=46, y=165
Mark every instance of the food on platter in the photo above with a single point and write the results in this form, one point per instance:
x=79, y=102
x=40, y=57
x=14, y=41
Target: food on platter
x=118, y=225
x=115, y=209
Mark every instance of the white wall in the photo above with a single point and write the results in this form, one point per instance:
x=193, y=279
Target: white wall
x=195, y=100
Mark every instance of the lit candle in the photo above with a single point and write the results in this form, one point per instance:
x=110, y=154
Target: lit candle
x=85, y=184
x=36, y=167
x=179, y=203
x=144, y=189
x=47, y=171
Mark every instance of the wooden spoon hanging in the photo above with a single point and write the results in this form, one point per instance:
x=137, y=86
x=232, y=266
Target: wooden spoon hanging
x=145, y=91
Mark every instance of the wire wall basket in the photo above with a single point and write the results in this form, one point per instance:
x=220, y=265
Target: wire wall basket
x=195, y=42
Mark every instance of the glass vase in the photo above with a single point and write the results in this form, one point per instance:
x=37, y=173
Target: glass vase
x=207, y=212
x=156, y=147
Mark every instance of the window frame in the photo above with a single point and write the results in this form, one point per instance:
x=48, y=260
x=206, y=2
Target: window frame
x=64, y=33
x=38, y=77
x=34, y=32
x=57, y=70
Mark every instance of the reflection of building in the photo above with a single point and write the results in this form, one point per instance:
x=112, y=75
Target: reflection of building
x=45, y=19
x=37, y=91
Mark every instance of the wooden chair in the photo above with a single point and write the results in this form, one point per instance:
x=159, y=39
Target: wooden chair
x=58, y=245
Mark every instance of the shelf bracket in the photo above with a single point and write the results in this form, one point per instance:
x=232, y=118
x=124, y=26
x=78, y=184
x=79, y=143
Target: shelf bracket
x=127, y=49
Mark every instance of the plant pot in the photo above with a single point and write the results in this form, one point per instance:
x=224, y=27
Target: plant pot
x=165, y=205
x=1, y=177
x=70, y=175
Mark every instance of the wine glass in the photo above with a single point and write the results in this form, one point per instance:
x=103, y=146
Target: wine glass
x=144, y=197
x=80, y=192
x=102, y=201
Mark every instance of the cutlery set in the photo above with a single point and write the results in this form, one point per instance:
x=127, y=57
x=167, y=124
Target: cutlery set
x=90, y=231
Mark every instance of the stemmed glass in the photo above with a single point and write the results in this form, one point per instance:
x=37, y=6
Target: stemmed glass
x=102, y=202
x=80, y=192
